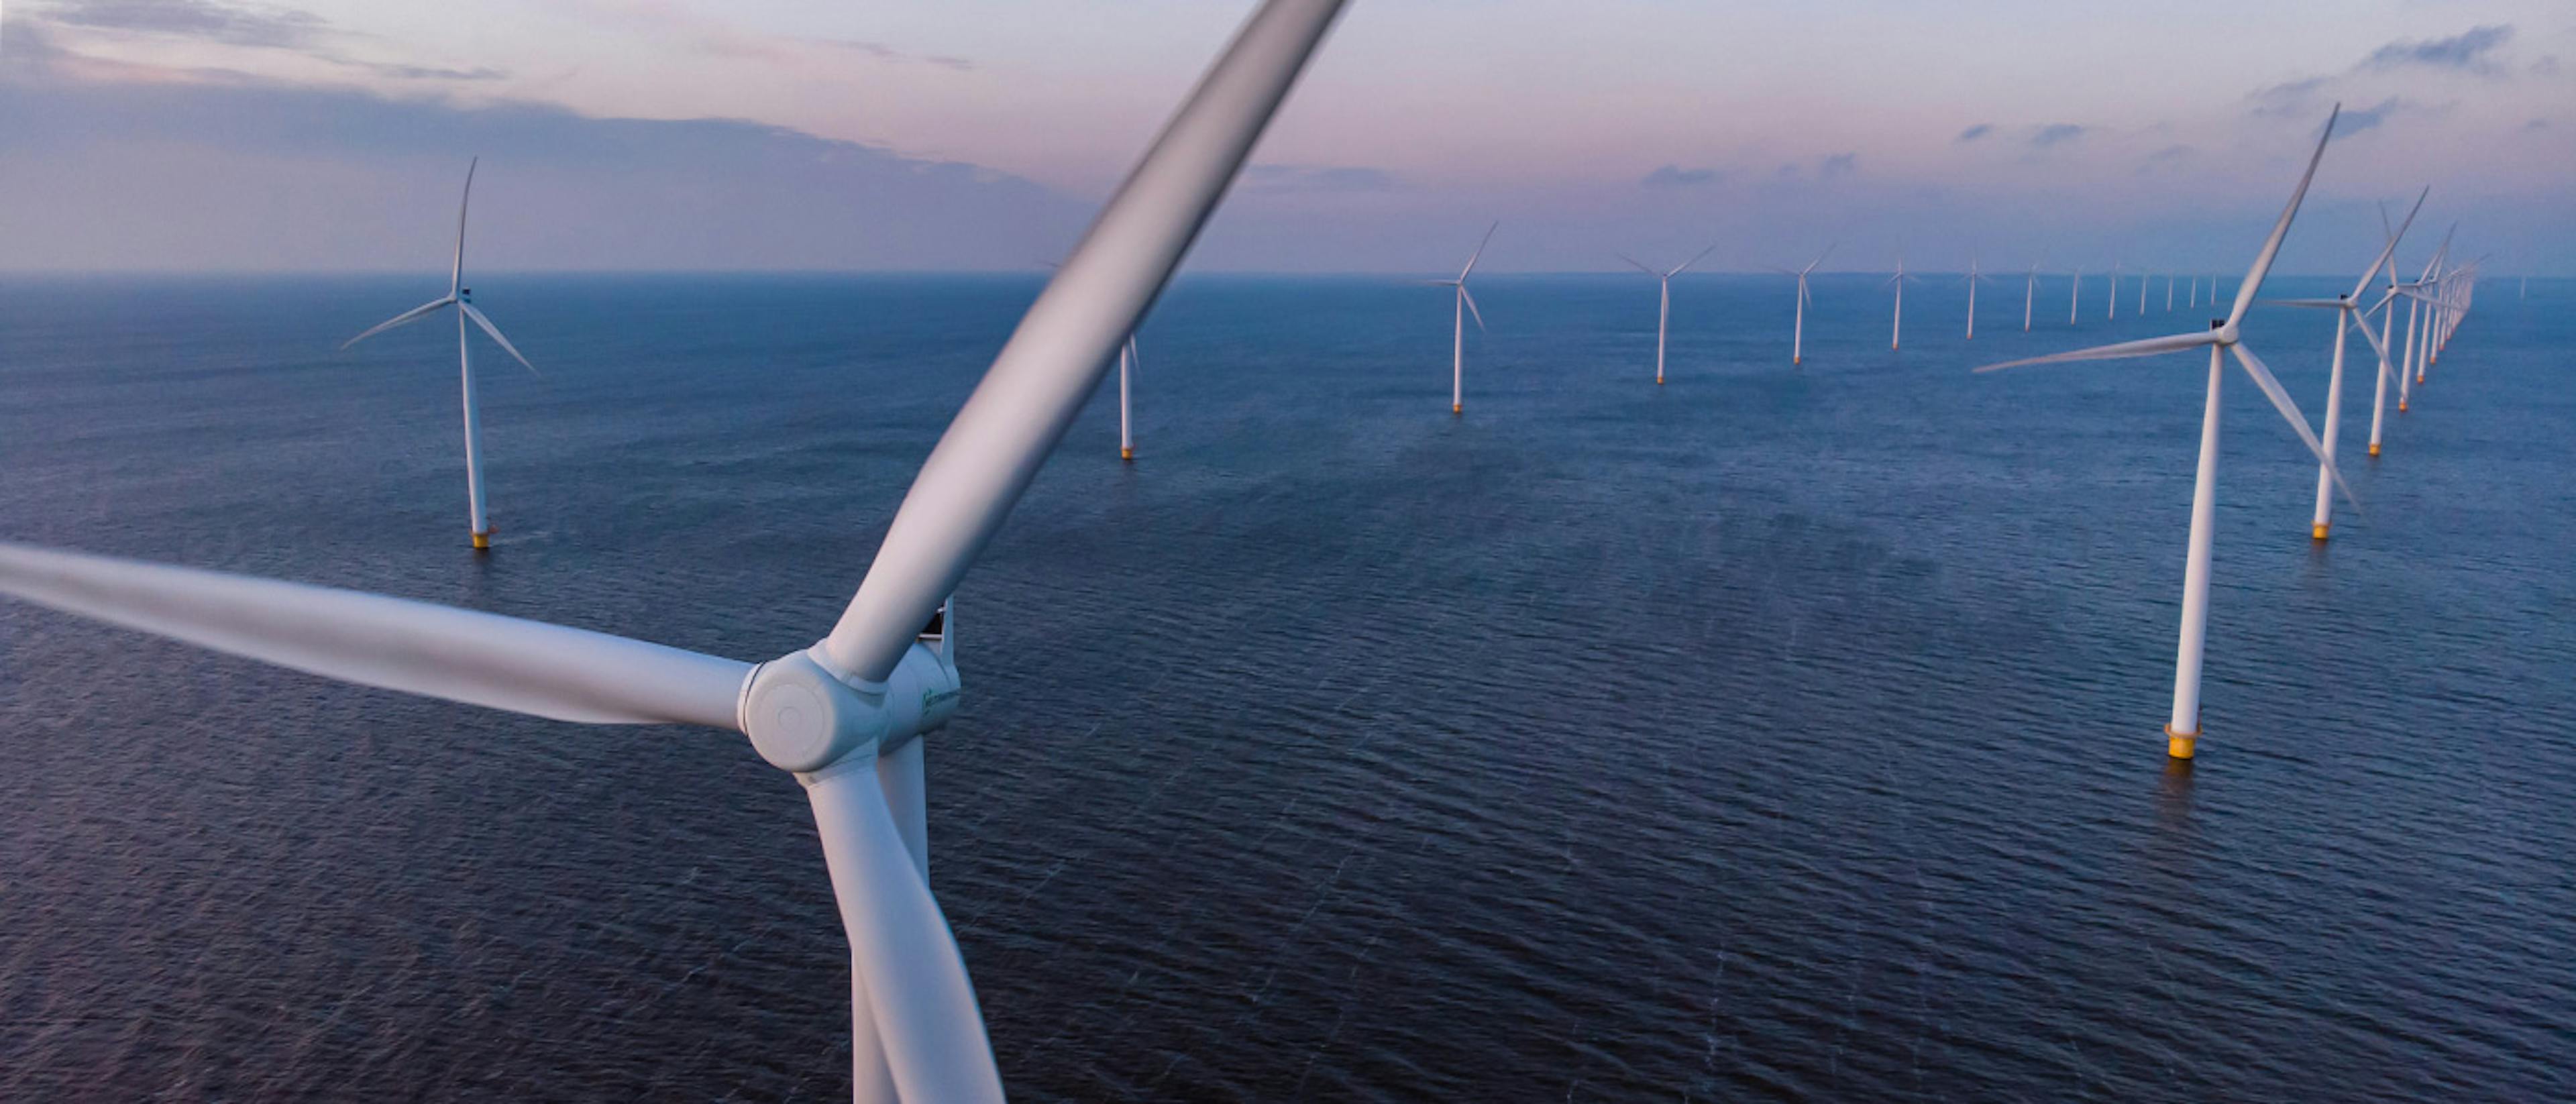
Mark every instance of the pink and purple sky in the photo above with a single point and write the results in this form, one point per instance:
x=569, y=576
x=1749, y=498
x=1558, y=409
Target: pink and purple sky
x=979, y=134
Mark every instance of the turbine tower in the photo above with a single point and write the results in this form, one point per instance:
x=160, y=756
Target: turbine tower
x=1897, y=331
x=1663, y=321
x=1798, y=330
x=1465, y=306
x=2224, y=338
x=1974, y=278
x=478, y=524
x=2348, y=311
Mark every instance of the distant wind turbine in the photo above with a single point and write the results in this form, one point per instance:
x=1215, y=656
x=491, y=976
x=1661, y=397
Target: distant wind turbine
x=2074, y=293
x=2222, y=339
x=1798, y=332
x=1127, y=364
x=1464, y=307
x=1974, y=278
x=2194, y=300
x=2169, y=293
x=2029, y=295
x=1663, y=321
x=1897, y=281
x=2348, y=309
x=2144, y=281
x=2387, y=333
x=2114, y=308
x=462, y=298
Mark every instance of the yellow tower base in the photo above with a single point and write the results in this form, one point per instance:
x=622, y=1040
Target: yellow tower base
x=1457, y=408
x=482, y=542
x=2401, y=406
x=1125, y=453
x=2318, y=531
x=2374, y=449
x=2179, y=745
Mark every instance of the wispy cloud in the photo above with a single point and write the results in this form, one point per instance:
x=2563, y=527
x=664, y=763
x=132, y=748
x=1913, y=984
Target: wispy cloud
x=1675, y=176
x=1975, y=132
x=275, y=28
x=2358, y=119
x=2470, y=51
x=2056, y=134
x=1838, y=165
x=1318, y=178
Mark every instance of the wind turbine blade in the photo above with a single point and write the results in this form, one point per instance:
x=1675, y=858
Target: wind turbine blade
x=1055, y=360
x=391, y=643
x=904, y=960
x=404, y=319
x=2362, y=323
x=1640, y=266
x=2272, y=246
x=2389, y=251
x=495, y=333
x=2122, y=351
x=1820, y=259
x=1469, y=298
x=1480, y=250
x=456, y=275
x=1695, y=259
x=2272, y=390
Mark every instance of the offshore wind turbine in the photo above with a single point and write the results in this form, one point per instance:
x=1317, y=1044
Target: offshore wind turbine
x=2387, y=309
x=2169, y=293
x=1126, y=424
x=1897, y=331
x=2114, y=308
x=846, y=716
x=1798, y=329
x=1974, y=278
x=2144, y=281
x=2348, y=309
x=478, y=525
x=2410, y=371
x=1465, y=306
x=2074, y=293
x=2224, y=338
x=2029, y=295
x=1663, y=320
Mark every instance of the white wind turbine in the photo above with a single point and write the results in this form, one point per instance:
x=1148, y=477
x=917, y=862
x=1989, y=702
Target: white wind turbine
x=1127, y=364
x=2387, y=309
x=2348, y=314
x=2114, y=307
x=1897, y=331
x=2145, y=281
x=2410, y=370
x=462, y=298
x=1662, y=321
x=1798, y=330
x=2194, y=294
x=1465, y=306
x=1974, y=278
x=2029, y=295
x=2074, y=295
x=845, y=716
x=2169, y=282
x=2222, y=339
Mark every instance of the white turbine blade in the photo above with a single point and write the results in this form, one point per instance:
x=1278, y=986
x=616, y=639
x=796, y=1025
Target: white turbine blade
x=1469, y=298
x=2272, y=246
x=2150, y=347
x=1820, y=259
x=1055, y=359
x=2272, y=390
x=2389, y=251
x=1695, y=259
x=404, y=319
x=391, y=643
x=2362, y=323
x=1480, y=250
x=903, y=957
x=495, y=333
x=1640, y=266
x=456, y=275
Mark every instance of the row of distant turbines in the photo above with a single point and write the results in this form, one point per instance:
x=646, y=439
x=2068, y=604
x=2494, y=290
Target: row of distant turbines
x=847, y=716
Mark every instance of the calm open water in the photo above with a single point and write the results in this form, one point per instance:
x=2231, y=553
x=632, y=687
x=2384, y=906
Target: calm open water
x=1770, y=734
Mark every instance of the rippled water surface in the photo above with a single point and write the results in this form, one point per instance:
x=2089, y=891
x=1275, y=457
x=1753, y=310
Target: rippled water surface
x=1768, y=734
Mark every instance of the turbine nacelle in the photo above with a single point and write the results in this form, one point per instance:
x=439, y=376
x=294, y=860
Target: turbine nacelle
x=802, y=717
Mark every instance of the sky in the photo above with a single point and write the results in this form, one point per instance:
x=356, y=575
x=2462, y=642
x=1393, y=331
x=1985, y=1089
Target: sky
x=329, y=135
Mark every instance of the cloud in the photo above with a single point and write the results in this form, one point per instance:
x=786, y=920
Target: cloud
x=1318, y=178
x=2056, y=134
x=2358, y=119
x=1975, y=132
x=2470, y=51
x=161, y=169
x=1838, y=165
x=275, y=28
x=1675, y=176
x=2536, y=124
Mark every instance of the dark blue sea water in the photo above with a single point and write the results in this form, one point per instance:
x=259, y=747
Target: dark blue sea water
x=1769, y=734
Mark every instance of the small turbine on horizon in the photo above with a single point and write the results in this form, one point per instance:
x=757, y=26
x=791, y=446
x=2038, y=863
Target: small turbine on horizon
x=2029, y=295
x=1664, y=320
x=1974, y=278
x=1798, y=329
x=462, y=298
x=1465, y=306
x=1897, y=331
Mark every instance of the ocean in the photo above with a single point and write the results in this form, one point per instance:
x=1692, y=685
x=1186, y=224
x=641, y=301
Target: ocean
x=1774, y=733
